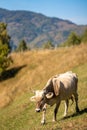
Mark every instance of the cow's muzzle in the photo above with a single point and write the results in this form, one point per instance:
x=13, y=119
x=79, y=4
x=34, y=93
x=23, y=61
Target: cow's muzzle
x=37, y=110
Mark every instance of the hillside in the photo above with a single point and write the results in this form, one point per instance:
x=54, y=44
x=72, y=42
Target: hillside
x=37, y=28
x=31, y=70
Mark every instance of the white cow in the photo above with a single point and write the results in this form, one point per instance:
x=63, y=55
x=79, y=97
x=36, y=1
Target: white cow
x=58, y=88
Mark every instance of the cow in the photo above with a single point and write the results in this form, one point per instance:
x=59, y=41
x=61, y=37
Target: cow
x=59, y=87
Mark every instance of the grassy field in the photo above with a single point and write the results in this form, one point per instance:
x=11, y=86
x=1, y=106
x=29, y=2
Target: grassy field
x=31, y=70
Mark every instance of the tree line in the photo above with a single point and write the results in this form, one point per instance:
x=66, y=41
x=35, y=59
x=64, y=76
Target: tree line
x=74, y=39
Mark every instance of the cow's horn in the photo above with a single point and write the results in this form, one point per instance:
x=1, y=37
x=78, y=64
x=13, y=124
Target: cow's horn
x=33, y=91
x=49, y=95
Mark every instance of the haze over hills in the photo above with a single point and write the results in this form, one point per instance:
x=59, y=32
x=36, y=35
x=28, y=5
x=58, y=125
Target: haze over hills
x=37, y=28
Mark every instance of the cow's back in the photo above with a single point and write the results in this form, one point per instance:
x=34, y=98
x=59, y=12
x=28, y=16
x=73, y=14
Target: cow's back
x=67, y=84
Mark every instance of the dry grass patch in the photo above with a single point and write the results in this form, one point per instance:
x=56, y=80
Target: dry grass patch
x=32, y=69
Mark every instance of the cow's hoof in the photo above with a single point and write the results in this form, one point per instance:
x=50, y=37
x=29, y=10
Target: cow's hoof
x=77, y=110
x=54, y=120
x=64, y=116
x=43, y=122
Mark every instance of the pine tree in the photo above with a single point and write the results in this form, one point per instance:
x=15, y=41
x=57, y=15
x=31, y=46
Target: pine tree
x=4, y=48
x=48, y=45
x=72, y=40
x=22, y=46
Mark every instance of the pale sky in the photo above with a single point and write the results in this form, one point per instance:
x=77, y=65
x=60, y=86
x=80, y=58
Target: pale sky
x=73, y=10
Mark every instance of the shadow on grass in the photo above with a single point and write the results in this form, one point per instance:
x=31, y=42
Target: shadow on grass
x=11, y=73
x=76, y=114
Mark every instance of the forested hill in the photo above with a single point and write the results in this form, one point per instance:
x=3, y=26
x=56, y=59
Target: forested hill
x=37, y=28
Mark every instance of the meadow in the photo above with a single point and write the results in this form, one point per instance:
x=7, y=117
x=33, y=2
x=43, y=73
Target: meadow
x=30, y=71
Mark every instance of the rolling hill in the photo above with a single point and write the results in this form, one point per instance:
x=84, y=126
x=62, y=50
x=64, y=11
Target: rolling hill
x=31, y=70
x=37, y=28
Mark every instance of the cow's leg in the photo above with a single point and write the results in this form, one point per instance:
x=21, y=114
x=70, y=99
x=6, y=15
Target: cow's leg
x=43, y=117
x=76, y=100
x=55, y=111
x=66, y=107
x=44, y=114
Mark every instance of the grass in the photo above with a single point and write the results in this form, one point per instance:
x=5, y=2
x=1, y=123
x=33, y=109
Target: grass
x=31, y=70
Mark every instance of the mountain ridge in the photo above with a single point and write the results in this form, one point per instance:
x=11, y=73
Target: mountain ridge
x=37, y=28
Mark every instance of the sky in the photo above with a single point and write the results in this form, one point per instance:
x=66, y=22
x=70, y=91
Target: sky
x=73, y=10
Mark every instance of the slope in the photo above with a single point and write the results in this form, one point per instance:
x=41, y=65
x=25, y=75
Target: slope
x=31, y=70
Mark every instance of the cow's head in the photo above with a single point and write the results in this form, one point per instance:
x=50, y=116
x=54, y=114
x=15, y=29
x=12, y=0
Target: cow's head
x=47, y=95
x=41, y=99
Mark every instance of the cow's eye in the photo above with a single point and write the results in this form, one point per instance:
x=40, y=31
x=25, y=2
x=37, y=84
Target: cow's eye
x=43, y=98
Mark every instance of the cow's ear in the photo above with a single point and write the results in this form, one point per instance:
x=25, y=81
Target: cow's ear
x=56, y=86
x=33, y=99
